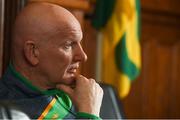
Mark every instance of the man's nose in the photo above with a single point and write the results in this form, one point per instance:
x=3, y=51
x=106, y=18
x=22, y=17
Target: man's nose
x=80, y=55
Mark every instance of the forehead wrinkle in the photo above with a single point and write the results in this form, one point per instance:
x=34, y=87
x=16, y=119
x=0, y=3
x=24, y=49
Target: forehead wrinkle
x=76, y=34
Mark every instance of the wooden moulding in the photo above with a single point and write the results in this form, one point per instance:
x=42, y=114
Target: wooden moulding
x=74, y=4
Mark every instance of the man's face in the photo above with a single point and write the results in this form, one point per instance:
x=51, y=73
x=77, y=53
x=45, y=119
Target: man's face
x=60, y=57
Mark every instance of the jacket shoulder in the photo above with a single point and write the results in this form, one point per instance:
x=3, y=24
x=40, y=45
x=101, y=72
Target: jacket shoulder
x=3, y=90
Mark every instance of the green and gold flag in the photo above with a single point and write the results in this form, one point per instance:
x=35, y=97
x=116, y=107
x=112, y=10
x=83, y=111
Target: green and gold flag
x=118, y=21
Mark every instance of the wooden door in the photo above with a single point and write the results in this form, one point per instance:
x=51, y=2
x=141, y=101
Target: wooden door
x=156, y=93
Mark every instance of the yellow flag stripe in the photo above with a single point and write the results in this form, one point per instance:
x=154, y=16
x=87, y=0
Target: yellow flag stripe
x=47, y=109
x=132, y=42
x=123, y=85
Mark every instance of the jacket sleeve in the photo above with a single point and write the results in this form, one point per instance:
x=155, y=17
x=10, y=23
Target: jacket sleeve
x=82, y=115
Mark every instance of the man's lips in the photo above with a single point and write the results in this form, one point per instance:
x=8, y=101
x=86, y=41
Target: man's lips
x=73, y=69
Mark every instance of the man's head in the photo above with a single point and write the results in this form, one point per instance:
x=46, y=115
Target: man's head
x=46, y=45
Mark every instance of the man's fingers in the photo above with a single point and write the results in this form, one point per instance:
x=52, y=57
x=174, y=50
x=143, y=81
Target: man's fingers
x=66, y=89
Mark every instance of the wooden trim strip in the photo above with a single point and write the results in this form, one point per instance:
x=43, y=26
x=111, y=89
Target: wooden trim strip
x=74, y=4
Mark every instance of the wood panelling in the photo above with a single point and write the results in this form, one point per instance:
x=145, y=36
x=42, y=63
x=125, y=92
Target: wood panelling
x=73, y=4
x=12, y=7
x=157, y=80
x=89, y=44
x=156, y=18
x=1, y=33
x=155, y=93
x=165, y=6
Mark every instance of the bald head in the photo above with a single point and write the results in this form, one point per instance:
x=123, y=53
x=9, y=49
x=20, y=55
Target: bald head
x=39, y=19
x=46, y=45
x=39, y=22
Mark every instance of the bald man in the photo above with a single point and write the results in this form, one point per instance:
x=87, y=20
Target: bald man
x=42, y=77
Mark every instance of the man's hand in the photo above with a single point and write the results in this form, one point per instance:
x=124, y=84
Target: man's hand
x=87, y=95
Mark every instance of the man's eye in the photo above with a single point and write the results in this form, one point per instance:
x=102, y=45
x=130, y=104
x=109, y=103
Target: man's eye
x=68, y=46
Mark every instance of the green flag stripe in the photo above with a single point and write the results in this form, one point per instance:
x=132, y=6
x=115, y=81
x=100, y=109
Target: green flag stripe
x=138, y=18
x=124, y=64
x=102, y=13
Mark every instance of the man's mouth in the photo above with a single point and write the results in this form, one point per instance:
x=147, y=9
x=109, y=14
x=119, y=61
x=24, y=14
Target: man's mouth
x=73, y=69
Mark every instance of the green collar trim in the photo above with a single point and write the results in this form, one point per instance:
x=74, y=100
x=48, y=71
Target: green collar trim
x=31, y=86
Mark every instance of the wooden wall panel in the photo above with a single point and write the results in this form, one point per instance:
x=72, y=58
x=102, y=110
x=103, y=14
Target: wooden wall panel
x=89, y=44
x=155, y=94
x=165, y=6
x=158, y=81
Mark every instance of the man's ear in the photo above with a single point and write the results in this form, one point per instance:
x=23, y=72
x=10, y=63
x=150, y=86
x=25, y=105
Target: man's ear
x=31, y=52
